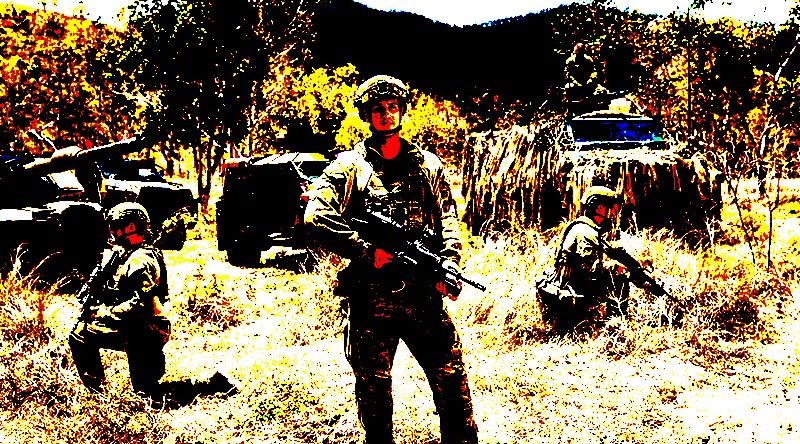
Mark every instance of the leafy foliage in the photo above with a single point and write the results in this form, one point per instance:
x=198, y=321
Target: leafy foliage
x=313, y=111
x=53, y=79
x=201, y=61
x=303, y=110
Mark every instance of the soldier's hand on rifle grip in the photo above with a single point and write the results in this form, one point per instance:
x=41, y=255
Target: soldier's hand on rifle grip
x=450, y=286
x=381, y=257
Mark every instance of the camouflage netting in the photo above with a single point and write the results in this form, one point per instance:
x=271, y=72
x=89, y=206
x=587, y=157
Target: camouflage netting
x=524, y=177
x=508, y=177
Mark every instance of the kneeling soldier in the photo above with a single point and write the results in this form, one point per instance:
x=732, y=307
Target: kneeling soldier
x=126, y=315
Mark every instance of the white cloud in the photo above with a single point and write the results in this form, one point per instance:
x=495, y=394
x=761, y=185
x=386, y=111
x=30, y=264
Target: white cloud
x=106, y=11
x=465, y=12
x=775, y=11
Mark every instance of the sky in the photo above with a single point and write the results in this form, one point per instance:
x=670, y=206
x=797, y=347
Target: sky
x=467, y=12
x=104, y=10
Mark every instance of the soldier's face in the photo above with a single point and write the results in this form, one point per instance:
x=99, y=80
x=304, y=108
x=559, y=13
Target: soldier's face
x=608, y=212
x=385, y=115
x=127, y=235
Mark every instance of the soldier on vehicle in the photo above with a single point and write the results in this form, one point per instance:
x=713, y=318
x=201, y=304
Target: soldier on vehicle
x=388, y=303
x=128, y=316
x=586, y=288
x=583, y=81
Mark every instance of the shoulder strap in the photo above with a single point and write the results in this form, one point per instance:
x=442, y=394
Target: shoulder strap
x=365, y=169
x=560, y=255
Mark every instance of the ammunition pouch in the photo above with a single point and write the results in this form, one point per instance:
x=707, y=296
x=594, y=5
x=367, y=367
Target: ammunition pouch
x=360, y=277
x=550, y=285
x=159, y=327
x=558, y=299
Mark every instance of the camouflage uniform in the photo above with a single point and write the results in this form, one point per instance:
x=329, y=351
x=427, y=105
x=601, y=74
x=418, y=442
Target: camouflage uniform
x=581, y=74
x=132, y=326
x=594, y=289
x=391, y=303
x=582, y=83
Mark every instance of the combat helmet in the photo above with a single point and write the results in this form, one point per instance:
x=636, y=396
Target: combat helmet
x=378, y=88
x=596, y=195
x=124, y=213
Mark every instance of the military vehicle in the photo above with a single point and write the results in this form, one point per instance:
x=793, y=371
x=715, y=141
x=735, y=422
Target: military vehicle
x=262, y=203
x=139, y=180
x=632, y=152
x=51, y=221
x=536, y=175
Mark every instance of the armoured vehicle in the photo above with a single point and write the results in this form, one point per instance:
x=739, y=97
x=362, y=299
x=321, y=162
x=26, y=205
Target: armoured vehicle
x=50, y=218
x=139, y=180
x=536, y=175
x=632, y=153
x=262, y=203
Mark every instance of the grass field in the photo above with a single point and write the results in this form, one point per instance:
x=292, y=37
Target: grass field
x=728, y=373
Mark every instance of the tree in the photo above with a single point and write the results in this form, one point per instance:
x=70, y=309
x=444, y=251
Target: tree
x=301, y=110
x=52, y=79
x=199, y=60
x=202, y=62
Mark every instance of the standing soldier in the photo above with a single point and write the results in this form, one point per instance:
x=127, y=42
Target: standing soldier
x=386, y=301
x=127, y=314
x=586, y=287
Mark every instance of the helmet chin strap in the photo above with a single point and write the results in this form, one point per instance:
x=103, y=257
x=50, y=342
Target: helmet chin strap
x=385, y=134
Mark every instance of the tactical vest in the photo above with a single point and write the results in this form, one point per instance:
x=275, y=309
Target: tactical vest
x=115, y=291
x=399, y=188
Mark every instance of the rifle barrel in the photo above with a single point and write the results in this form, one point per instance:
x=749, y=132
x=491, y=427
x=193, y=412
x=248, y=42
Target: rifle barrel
x=472, y=283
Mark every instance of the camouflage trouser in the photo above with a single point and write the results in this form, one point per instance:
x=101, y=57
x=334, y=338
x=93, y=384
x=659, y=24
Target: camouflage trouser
x=377, y=323
x=143, y=342
x=607, y=297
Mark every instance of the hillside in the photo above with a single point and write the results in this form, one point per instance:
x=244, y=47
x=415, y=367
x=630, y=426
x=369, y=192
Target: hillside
x=449, y=60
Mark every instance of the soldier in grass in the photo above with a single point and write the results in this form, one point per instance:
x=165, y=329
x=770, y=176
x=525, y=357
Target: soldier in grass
x=582, y=287
x=387, y=303
x=127, y=315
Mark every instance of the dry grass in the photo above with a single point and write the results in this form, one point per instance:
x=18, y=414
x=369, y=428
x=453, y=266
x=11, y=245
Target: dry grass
x=727, y=373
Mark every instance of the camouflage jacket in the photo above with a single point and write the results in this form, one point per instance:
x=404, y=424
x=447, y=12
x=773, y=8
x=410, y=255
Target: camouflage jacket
x=411, y=188
x=140, y=278
x=581, y=72
x=582, y=257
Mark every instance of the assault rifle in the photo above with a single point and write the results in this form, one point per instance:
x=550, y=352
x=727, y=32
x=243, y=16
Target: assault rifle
x=88, y=294
x=639, y=276
x=411, y=250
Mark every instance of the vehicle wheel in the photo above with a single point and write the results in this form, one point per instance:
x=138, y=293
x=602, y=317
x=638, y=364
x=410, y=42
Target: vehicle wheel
x=243, y=257
x=172, y=233
x=173, y=241
x=83, y=235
